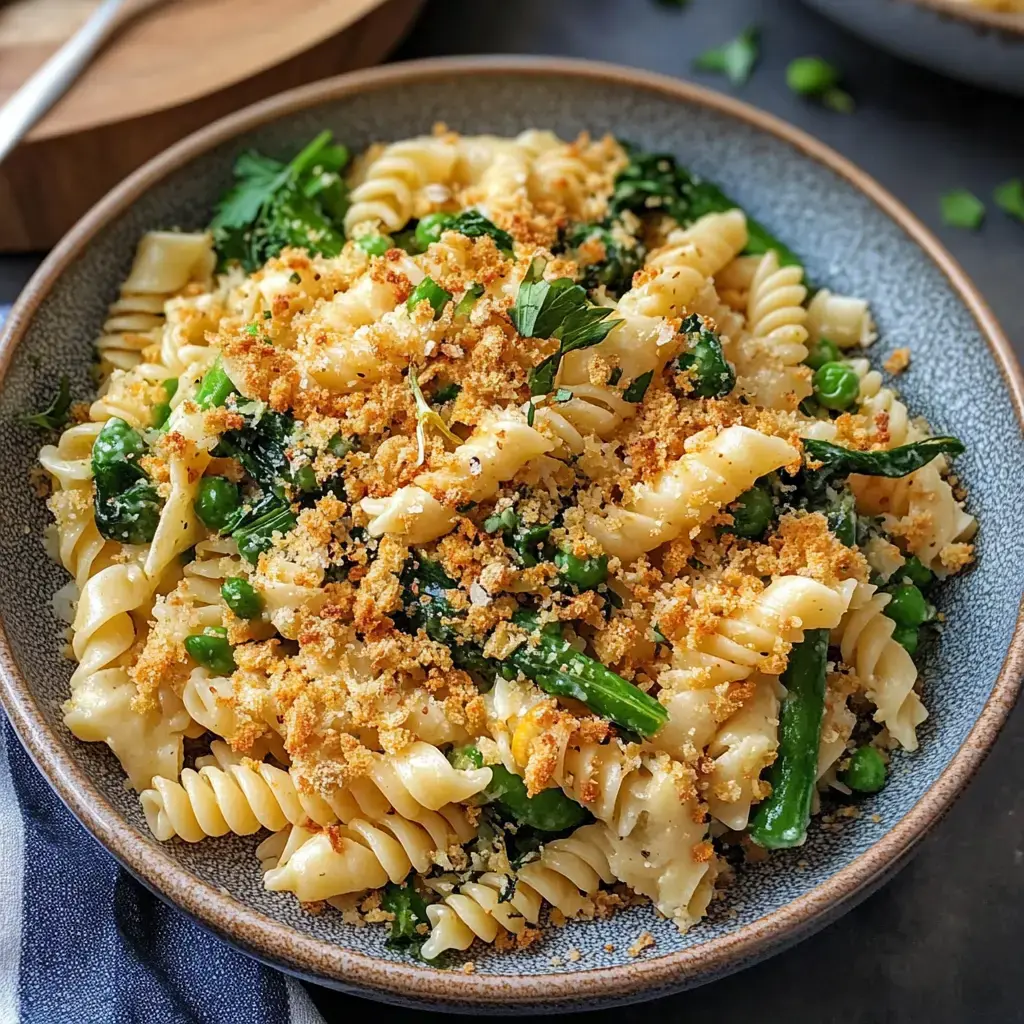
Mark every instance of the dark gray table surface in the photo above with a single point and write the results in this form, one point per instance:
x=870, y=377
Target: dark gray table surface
x=943, y=941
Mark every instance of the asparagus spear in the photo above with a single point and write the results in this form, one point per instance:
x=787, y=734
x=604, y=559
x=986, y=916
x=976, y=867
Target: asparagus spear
x=782, y=819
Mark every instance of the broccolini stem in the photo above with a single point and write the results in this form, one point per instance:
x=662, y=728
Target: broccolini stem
x=782, y=819
x=559, y=669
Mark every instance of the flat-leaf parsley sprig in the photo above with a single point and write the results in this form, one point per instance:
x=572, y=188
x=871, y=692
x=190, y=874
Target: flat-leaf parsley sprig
x=560, y=310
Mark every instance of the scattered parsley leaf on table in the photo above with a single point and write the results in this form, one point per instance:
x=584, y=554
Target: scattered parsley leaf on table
x=962, y=209
x=818, y=79
x=734, y=59
x=1009, y=198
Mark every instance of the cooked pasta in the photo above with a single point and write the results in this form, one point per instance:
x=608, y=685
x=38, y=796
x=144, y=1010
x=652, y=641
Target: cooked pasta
x=497, y=529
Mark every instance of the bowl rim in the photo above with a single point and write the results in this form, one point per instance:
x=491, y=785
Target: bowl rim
x=299, y=952
x=1009, y=22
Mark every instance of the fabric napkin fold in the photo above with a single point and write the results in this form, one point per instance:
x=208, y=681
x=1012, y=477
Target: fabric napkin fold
x=82, y=942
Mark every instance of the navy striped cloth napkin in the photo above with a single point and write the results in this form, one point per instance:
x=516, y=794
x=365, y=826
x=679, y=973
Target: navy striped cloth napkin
x=81, y=942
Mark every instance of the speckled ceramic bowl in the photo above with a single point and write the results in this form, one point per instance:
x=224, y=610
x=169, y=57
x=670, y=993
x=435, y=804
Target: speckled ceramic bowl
x=956, y=39
x=855, y=237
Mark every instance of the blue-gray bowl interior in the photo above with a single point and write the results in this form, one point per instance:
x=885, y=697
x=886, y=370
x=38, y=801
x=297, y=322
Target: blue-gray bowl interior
x=848, y=243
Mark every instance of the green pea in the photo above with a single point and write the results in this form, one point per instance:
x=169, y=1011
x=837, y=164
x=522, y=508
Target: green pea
x=836, y=386
x=428, y=290
x=585, y=573
x=212, y=650
x=811, y=76
x=217, y=502
x=241, y=598
x=821, y=352
x=375, y=245
x=752, y=513
x=866, y=771
x=304, y=478
x=430, y=228
x=907, y=637
x=116, y=453
x=917, y=572
x=339, y=446
x=907, y=606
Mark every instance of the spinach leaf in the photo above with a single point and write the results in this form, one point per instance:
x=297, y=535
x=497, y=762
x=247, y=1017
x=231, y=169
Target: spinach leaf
x=615, y=271
x=410, y=911
x=127, y=506
x=711, y=375
x=473, y=224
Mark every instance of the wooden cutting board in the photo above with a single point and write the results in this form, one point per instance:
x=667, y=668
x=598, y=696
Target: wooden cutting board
x=178, y=66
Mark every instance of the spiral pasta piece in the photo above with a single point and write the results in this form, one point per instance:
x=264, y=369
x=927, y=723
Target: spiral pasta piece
x=565, y=874
x=770, y=357
x=166, y=262
x=708, y=245
x=843, y=320
x=743, y=747
x=592, y=411
x=394, y=186
x=361, y=854
x=498, y=449
x=883, y=667
x=689, y=491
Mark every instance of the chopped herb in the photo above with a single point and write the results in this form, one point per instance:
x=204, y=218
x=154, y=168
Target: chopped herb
x=638, y=388
x=425, y=416
x=734, y=59
x=563, y=395
x=252, y=330
x=505, y=520
x=55, y=415
x=557, y=309
x=1009, y=197
x=657, y=636
x=447, y=393
x=817, y=78
x=616, y=376
x=531, y=412
x=268, y=315
x=962, y=209
x=273, y=205
x=296, y=278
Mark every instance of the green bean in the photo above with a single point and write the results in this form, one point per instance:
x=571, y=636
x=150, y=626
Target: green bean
x=584, y=573
x=241, y=598
x=217, y=502
x=782, y=819
x=163, y=409
x=836, y=386
x=865, y=772
x=214, y=388
x=212, y=650
x=428, y=290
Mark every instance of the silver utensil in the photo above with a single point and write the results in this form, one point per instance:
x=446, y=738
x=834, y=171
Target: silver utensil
x=52, y=80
